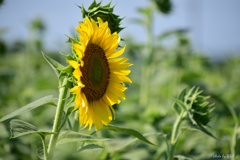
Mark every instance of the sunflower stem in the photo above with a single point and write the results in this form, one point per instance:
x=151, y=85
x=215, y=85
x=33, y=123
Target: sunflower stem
x=58, y=116
x=175, y=135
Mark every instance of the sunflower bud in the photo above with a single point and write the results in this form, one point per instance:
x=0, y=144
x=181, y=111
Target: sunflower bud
x=105, y=13
x=164, y=6
x=196, y=105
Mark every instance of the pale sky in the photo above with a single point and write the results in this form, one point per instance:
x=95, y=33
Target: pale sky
x=214, y=24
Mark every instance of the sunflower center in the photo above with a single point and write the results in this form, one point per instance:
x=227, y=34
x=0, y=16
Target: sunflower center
x=95, y=72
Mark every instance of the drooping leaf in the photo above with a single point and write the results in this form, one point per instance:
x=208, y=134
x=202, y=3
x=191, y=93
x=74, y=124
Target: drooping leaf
x=128, y=131
x=71, y=136
x=21, y=128
x=199, y=128
x=116, y=145
x=30, y=106
x=204, y=130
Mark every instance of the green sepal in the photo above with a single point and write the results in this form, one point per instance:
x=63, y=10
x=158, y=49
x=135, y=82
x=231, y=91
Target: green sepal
x=67, y=72
x=71, y=40
x=128, y=131
x=179, y=104
x=68, y=69
x=96, y=10
x=94, y=4
x=20, y=128
x=67, y=56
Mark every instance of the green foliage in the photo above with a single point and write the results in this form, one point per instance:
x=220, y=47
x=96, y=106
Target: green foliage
x=163, y=76
x=33, y=105
x=71, y=136
x=21, y=128
x=128, y=131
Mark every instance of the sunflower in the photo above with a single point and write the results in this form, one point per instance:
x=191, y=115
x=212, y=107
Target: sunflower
x=99, y=73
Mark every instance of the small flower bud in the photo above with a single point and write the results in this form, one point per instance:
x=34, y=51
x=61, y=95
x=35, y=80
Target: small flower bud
x=196, y=105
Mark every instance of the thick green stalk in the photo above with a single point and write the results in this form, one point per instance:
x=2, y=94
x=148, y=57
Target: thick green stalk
x=57, y=120
x=174, y=136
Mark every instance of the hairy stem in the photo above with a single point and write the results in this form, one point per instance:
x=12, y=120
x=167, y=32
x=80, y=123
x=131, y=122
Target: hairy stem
x=57, y=120
x=175, y=135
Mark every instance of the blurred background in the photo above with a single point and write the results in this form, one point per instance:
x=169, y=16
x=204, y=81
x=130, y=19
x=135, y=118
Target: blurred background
x=213, y=25
x=172, y=44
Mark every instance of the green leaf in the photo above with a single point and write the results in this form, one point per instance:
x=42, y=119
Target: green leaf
x=65, y=116
x=179, y=157
x=30, y=106
x=128, y=131
x=40, y=153
x=179, y=104
x=89, y=146
x=71, y=136
x=67, y=56
x=21, y=128
x=117, y=145
x=56, y=66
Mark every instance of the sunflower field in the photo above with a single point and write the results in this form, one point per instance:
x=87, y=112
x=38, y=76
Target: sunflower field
x=109, y=97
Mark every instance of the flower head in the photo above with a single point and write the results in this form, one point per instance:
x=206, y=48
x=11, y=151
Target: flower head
x=99, y=73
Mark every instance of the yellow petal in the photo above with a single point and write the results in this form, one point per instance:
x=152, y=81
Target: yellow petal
x=75, y=89
x=117, y=53
x=74, y=64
